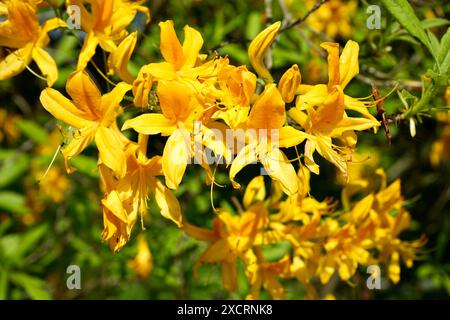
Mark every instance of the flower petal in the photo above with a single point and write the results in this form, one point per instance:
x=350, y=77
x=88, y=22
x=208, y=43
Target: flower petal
x=175, y=158
x=63, y=109
x=192, y=44
x=170, y=45
x=85, y=94
x=15, y=62
x=151, y=123
x=348, y=63
x=111, y=150
x=168, y=204
x=87, y=51
x=46, y=64
x=280, y=169
x=246, y=156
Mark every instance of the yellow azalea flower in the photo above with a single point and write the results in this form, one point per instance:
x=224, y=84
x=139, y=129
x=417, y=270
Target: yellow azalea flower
x=258, y=49
x=268, y=114
x=142, y=264
x=94, y=117
x=183, y=63
x=231, y=237
x=320, y=109
x=265, y=274
x=391, y=221
x=179, y=59
x=333, y=17
x=180, y=109
x=127, y=197
x=25, y=39
x=105, y=24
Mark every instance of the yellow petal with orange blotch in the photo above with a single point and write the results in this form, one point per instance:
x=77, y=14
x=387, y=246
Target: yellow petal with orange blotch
x=85, y=94
x=268, y=111
x=170, y=46
x=63, y=109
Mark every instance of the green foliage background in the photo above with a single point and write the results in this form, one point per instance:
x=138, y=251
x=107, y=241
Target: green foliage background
x=36, y=246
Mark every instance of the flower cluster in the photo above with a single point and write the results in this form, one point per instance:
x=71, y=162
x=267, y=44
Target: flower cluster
x=200, y=99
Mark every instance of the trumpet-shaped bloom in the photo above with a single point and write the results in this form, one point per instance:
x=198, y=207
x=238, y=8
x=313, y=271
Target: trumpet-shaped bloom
x=25, y=39
x=267, y=120
x=94, y=117
x=179, y=109
x=105, y=24
x=320, y=109
x=126, y=198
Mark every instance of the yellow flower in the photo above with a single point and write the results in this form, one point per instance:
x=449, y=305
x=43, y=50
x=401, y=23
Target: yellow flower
x=320, y=109
x=94, y=117
x=179, y=59
x=265, y=274
x=333, y=17
x=105, y=24
x=183, y=63
x=258, y=49
x=26, y=38
x=231, y=237
x=127, y=197
x=142, y=264
x=180, y=109
x=268, y=116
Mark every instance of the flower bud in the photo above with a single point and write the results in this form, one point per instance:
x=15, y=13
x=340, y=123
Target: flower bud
x=289, y=83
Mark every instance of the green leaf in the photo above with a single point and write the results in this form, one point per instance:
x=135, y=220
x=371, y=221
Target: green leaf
x=444, y=52
x=434, y=42
x=33, y=131
x=12, y=202
x=433, y=23
x=86, y=165
x=3, y=284
x=404, y=13
x=30, y=240
x=34, y=287
x=13, y=168
x=254, y=25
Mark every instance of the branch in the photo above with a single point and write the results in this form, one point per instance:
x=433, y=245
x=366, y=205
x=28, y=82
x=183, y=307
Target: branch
x=299, y=21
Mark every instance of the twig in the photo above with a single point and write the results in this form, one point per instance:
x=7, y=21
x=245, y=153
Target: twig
x=381, y=113
x=268, y=13
x=299, y=21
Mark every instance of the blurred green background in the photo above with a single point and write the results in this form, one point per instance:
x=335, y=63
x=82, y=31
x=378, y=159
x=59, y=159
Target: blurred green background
x=48, y=224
